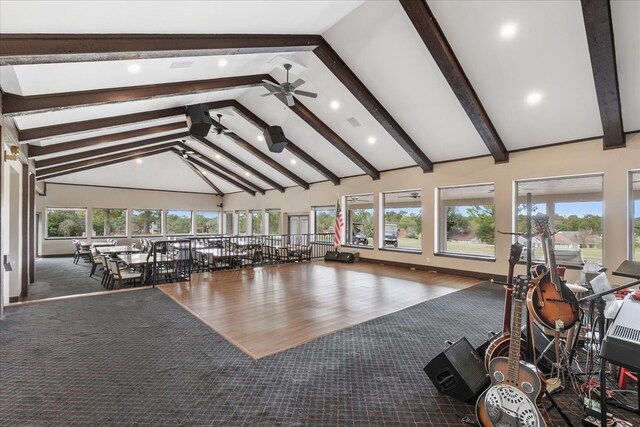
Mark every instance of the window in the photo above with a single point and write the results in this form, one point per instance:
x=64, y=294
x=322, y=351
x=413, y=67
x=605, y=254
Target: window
x=179, y=222
x=242, y=222
x=228, y=223
x=467, y=220
x=574, y=206
x=634, y=215
x=109, y=222
x=146, y=222
x=402, y=220
x=207, y=222
x=325, y=219
x=66, y=222
x=256, y=222
x=273, y=215
x=359, y=220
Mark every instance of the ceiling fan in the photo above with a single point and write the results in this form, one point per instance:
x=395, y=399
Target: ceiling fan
x=188, y=153
x=219, y=130
x=285, y=91
x=412, y=195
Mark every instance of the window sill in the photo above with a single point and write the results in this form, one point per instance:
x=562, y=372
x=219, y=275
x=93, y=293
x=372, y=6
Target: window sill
x=465, y=256
x=565, y=265
x=401, y=250
x=369, y=248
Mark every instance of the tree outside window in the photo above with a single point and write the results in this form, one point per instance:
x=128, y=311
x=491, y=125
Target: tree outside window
x=403, y=220
x=146, y=222
x=66, y=222
x=274, y=221
x=242, y=222
x=256, y=222
x=109, y=222
x=207, y=222
x=325, y=219
x=359, y=219
x=179, y=222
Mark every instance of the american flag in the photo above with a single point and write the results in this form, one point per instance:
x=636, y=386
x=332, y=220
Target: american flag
x=339, y=223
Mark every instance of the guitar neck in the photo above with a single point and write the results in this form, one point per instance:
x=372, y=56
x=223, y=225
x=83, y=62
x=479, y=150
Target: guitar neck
x=551, y=260
x=514, y=342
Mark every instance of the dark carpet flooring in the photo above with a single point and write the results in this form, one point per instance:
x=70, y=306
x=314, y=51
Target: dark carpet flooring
x=59, y=276
x=137, y=358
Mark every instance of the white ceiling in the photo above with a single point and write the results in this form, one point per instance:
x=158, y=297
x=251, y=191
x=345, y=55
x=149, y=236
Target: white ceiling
x=377, y=41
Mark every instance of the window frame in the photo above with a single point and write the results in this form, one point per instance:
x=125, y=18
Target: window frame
x=46, y=224
x=195, y=219
x=166, y=215
x=323, y=208
x=633, y=239
x=160, y=222
x=383, y=222
x=126, y=223
x=228, y=224
x=348, y=235
x=269, y=212
x=246, y=222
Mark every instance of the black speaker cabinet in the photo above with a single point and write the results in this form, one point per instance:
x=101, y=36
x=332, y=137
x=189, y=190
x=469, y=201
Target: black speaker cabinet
x=199, y=120
x=276, y=141
x=348, y=257
x=458, y=371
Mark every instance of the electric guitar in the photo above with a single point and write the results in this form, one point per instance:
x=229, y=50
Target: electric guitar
x=551, y=302
x=514, y=397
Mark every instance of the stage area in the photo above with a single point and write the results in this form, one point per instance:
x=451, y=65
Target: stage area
x=266, y=310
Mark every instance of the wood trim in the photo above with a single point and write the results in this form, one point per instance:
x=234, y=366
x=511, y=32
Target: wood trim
x=599, y=28
x=14, y=104
x=339, y=68
x=234, y=159
x=24, y=233
x=465, y=273
x=219, y=174
x=221, y=169
x=32, y=227
x=125, y=188
x=100, y=161
x=35, y=151
x=110, y=149
x=434, y=39
x=18, y=49
x=294, y=149
x=334, y=139
x=202, y=177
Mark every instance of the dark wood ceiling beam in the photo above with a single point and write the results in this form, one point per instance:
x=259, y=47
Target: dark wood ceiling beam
x=220, y=173
x=18, y=49
x=334, y=139
x=599, y=28
x=14, y=104
x=200, y=174
x=36, y=151
x=39, y=164
x=294, y=149
x=431, y=34
x=102, y=159
x=89, y=166
x=339, y=68
x=239, y=162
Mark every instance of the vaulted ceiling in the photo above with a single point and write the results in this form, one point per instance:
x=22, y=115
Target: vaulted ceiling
x=98, y=89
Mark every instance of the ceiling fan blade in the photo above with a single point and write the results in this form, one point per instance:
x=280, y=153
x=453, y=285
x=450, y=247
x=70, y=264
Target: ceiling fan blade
x=270, y=93
x=290, y=102
x=280, y=96
x=297, y=83
x=305, y=93
x=269, y=83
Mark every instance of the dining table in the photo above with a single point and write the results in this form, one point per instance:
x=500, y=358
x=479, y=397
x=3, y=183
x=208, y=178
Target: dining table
x=115, y=250
x=86, y=244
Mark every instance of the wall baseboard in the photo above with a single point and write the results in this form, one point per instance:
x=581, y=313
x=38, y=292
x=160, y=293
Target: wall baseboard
x=56, y=256
x=465, y=273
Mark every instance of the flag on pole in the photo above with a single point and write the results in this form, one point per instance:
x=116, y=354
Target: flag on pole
x=339, y=223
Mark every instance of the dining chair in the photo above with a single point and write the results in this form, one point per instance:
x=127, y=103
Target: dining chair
x=95, y=260
x=124, y=276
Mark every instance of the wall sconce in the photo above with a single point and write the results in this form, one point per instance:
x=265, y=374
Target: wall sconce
x=13, y=154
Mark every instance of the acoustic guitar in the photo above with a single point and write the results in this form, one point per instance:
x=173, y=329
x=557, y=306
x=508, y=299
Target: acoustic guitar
x=514, y=397
x=500, y=345
x=551, y=302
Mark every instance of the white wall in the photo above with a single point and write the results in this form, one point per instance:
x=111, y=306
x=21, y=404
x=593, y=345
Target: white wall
x=79, y=196
x=567, y=159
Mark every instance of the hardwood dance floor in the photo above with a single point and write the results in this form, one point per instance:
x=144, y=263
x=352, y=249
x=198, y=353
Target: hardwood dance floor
x=270, y=309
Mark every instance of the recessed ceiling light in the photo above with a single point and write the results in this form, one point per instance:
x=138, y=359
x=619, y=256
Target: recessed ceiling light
x=222, y=62
x=534, y=98
x=335, y=105
x=138, y=161
x=218, y=156
x=508, y=30
x=371, y=140
x=247, y=174
x=260, y=138
x=293, y=161
x=134, y=68
x=204, y=172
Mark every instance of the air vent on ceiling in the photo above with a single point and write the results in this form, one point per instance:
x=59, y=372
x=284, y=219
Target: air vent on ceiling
x=353, y=122
x=181, y=64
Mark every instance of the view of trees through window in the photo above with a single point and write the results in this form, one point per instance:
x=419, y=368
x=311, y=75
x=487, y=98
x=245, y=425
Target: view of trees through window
x=242, y=222
x=359, y=219
x=179, y=222
x=634, y=178
x=467, y=224
x=325, y=219
x=109, y=222
x=274, y=221
x=256, y=222
x=403, y=219
x=66, y=222
x=574, y=207
x=146, y=222
x=207, y=222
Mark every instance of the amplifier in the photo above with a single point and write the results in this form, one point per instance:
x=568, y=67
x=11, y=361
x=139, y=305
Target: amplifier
x=621, y=344
x=348, y=257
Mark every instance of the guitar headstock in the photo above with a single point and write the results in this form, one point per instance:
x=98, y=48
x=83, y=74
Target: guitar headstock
x=515, y=252
x=541, y=222
x=520, y=289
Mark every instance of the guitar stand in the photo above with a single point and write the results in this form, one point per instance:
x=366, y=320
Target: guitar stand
x=554, y=405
